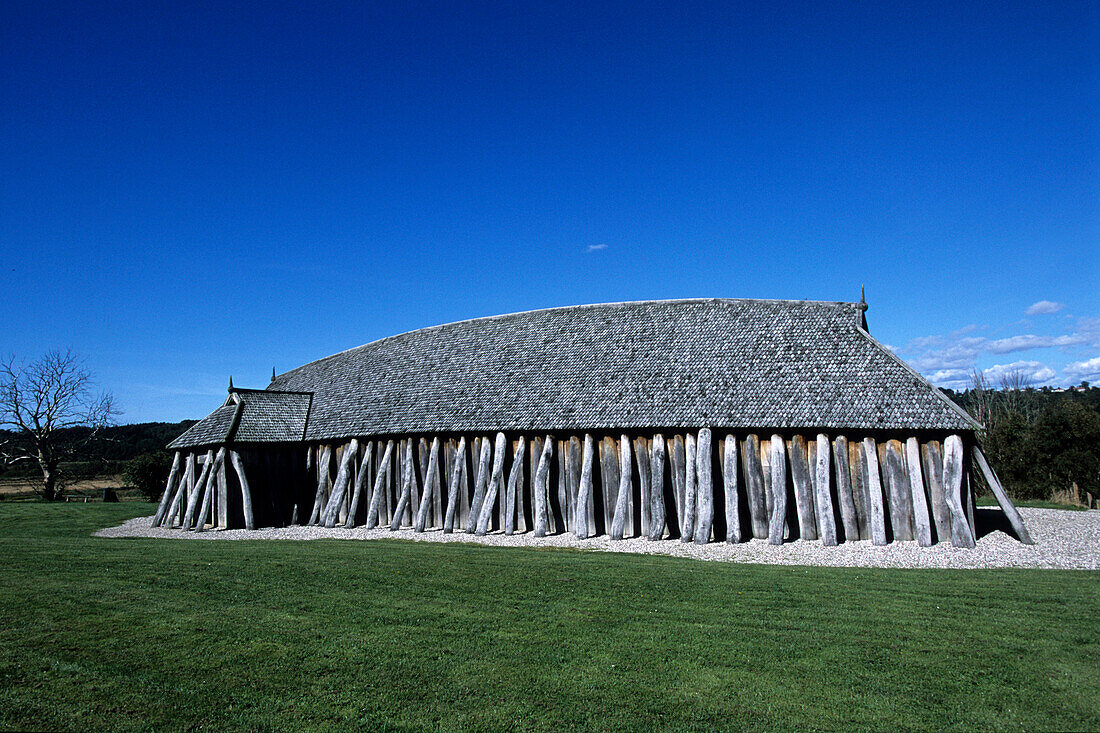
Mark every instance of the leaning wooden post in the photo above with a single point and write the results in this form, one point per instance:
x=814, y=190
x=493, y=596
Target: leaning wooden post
x=803, y=491
x=542, y=475
x=922, y=522
x=193, y=500
x=704, y=515
x=212, y=479
x=754, y=487
x=677, y=457
x=246, y=494
x=379, y=487
x=961, y=536
x=1007, y=507
x=408, y=475
x=687, y=521
x=185, y=482
x=458, y=481
x=729, y=486
x=873, y=481
x=933, y=472
x=565, y=504
x=431, y=487
x=339, y=489
x=480, y=482
x=511, y=489
x=901, y=502
x=849, y=519
x=362, y=476
x=778, y=467
x=657, y=488
x=861, y=492
x=164, y=500
x=641, y=460
x=495, y=480
x=322, y=484
x=823, y=502
x=584, y=490
x=622, y=497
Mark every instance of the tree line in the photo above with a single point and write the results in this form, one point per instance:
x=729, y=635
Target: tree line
x=1044, y=443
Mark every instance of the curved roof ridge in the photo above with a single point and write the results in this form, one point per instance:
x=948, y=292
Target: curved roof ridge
x=575, y=307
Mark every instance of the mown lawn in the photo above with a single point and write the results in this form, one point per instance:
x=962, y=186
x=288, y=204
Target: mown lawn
x=141, y=634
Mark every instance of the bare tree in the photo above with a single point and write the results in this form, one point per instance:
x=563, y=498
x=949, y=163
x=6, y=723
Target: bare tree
x=52, y=412
x=982, y=398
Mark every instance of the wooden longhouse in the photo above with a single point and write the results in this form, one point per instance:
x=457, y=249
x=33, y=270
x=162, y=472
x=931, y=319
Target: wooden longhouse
x=693, y=420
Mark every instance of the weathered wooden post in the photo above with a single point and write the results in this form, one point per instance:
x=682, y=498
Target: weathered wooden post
x=457, y=485
x=677, y=458
x=431, y=487
x=845, y=498
x=823, y=503
x=174, y=515
x=778, y=466
x=961, y=536
x=193, y=499
x=704, y=514
x=901, y=502
x=246, y=494
x=212, y=479
x=486, y=516
x=339, y=488
x=932, y=461
x=803, y=491
x=584, y=490
x=622, y=497
x=542, y=474
x=379, y=488
x=480, y=483
x=642, y=461
x=408, y=477
x=657, y=488
x=362, y=479
x=514, y=478
x=873, y=482
x=754, y=487
x=172, y=476
x=922, y=522
x=687, y=521
x=729, y=486
x=322, y=484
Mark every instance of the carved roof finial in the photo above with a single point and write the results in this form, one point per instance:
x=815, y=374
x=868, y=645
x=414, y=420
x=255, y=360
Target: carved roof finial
x=230, y=382
x=272, y=373
x=862, y=299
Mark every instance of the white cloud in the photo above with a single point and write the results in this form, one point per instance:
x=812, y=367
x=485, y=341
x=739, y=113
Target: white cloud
x=952, y=378
x=1026, y=341
x=595, y=247
x=1044, y=307
x=1089, y=369
x=1031, y=372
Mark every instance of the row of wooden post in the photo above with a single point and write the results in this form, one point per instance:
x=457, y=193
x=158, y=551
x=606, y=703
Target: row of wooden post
x=190, y=503
x=833, y=489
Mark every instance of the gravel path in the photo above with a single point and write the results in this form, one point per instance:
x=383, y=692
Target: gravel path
x=1063, y=539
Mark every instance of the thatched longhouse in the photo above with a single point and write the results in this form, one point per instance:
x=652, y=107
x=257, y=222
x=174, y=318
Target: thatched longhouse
x=699, y=420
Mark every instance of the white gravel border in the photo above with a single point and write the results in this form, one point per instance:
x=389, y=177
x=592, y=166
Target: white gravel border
x=1063, y=539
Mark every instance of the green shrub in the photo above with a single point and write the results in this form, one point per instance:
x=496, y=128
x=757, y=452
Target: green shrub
x=147, y=473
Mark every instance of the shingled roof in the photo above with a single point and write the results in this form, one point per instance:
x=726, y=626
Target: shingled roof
x=251, y=416
x=677, y=363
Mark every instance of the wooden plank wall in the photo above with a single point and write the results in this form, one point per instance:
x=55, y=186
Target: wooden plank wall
x=681, y=485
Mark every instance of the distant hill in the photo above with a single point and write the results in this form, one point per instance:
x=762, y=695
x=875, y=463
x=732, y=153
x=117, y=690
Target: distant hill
x=113, y=444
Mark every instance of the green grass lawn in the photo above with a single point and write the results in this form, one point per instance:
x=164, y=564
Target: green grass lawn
x=1035, y=503
x=144, y=634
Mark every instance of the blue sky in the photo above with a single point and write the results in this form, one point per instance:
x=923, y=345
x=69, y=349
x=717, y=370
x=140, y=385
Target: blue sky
x=193, y=191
